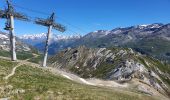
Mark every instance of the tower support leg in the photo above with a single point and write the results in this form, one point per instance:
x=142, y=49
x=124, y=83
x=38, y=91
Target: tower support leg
x=46, y=47
x=12, y=40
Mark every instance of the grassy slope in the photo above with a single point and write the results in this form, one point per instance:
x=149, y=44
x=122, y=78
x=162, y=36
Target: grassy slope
x=37, y=59
x=159, y=49
x=20, y=55
x=24, y=56
x=5, y=68
x=165, y=68
x=38, y=83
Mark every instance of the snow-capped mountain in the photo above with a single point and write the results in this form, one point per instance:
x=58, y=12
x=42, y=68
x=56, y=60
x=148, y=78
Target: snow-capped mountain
x=147, y=39
x=118, y=31
x=5, y=43
x=135, y=30
x=56, y=41
x=150, y=39
x=3, y=36
x=33, y=36
x=34, y=39
x=43, y=36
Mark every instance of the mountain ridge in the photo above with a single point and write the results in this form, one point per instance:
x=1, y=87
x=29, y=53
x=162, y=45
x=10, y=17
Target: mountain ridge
x=141, y=38
x=145, y=35
x=119, y=64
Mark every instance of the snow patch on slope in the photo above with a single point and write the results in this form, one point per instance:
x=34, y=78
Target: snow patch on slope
x=2, y=36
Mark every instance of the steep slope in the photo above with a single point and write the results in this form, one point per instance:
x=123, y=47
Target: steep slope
x=31, y=83
x=121, y=65
x=155, y=47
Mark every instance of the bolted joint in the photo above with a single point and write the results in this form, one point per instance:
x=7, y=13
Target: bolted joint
x=8, y=28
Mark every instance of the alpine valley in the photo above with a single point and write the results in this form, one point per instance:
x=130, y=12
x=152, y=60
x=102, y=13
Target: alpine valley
x=129, y=63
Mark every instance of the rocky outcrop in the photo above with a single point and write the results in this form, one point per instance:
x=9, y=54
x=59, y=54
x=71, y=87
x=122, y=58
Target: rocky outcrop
x=121, y=65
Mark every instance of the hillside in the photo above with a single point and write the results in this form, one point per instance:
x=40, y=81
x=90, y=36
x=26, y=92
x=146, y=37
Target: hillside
x=118, y=64
x=31, y=82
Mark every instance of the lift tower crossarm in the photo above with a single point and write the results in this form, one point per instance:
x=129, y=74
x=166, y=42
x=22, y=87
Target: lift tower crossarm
x=10, y=11
x=50, y=21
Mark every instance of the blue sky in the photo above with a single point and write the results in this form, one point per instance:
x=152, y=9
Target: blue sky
x=90, y=15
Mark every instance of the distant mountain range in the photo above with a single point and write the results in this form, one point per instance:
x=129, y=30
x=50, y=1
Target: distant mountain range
x=150, y=39
x=35, y=39
x=57, y=42
x=5, y=43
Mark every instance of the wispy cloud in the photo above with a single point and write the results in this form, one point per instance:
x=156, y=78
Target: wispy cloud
x=97, y=24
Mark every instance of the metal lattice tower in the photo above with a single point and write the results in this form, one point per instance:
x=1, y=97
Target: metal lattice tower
x=50, y=23
x=10, y=14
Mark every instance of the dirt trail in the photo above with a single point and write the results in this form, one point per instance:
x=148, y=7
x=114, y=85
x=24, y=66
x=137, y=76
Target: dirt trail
x=94, y=82
x=13, y=71
x=20, y=62
x=69, y=76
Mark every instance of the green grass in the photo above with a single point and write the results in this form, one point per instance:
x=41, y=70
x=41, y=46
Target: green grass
x=37, y=59
x=163, y=67
x=141, y=60
x=38, y=83
x=24, y=55
x=4, y=53
x=5, y=68
x=157, y=49
x=20, y=55
x=156, y=64
x=103, y=69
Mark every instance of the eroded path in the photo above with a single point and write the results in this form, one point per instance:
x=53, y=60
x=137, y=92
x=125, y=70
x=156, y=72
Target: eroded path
x=20, y=63
x=13, y=71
